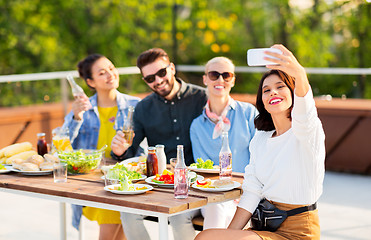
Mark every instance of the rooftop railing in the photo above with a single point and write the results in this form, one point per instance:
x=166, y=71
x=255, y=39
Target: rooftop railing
x=180, y=68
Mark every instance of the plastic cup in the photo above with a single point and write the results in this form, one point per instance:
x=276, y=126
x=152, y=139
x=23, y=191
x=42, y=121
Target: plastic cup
x=60, y=172
x=173, y=162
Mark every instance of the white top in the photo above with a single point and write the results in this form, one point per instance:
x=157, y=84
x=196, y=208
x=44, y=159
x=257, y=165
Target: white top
x=288, y=168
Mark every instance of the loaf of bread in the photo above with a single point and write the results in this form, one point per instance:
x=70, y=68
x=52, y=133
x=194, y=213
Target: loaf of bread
x=35, y=159
x=17, y=163
x=29, y=167
x=46, y=166
x=50, y=158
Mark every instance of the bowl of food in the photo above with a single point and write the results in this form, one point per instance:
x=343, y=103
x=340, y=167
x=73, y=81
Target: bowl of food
x=81, y=161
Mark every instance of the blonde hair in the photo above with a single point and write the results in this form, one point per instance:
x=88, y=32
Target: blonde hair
x=217, y=60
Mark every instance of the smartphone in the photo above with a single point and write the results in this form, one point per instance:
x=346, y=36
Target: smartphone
x=255, y=56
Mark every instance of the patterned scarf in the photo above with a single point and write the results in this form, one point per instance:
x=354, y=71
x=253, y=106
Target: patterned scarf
x=223, y=124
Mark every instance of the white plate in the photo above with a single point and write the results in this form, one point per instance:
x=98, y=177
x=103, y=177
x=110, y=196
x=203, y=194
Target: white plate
x=109, y=188
x=205, y=170
x=33, y=173
x=7, y=169
x=132, y=180
x=218, y=189
x=149, y=180
x=129, y=160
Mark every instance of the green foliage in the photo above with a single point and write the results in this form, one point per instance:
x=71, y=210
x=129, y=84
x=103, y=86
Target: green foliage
x=43, y=36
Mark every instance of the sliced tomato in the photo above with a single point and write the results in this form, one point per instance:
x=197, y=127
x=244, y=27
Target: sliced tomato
x=203, y=182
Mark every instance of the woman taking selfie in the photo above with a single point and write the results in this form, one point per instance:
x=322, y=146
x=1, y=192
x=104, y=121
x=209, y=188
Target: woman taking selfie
x=287, y=159
x=222, y=114
x=91, y=125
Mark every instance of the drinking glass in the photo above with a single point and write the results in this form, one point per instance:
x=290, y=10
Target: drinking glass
x=60, y=172
x=173, y=162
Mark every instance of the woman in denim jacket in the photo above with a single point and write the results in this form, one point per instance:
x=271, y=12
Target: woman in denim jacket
x=92, y=123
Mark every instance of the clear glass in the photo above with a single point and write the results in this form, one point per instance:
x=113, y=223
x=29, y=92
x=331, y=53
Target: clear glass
x=225, y=158
x=60, y=172
x=173, y=162
x=180, y=175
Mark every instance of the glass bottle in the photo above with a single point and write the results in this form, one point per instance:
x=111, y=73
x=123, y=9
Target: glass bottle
x=160, y=152
x=152, y=162
x=180, y=175
x=77, y=91
x=128, y=127
x=42, y=147
x=225, y=158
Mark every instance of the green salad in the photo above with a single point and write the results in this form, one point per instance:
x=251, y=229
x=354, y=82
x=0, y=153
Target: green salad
x=80, y=161
x=125, y=184
x=119, y=172
x=208, y=164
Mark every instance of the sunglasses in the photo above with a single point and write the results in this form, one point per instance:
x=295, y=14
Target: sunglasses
x=214, y=75
x=161, y=73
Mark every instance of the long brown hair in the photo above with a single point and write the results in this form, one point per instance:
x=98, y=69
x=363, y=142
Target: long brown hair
x=264, y=119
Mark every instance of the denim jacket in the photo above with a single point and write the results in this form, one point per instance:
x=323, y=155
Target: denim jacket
x=84, y=133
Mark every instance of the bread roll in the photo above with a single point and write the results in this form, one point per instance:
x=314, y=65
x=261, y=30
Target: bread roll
x=222, y=183
x=50, y=158
x=17, y=163
x=46, y=166
x=36, y=159
x=29, y=167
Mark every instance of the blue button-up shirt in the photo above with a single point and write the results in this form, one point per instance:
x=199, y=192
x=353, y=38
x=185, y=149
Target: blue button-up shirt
x=241, y=115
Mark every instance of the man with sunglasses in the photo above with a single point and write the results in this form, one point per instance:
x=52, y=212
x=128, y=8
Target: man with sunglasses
x=163, y=117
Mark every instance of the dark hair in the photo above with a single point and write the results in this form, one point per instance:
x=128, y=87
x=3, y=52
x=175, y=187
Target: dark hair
x=84, y=66
x=264, y=119
x=150, y=56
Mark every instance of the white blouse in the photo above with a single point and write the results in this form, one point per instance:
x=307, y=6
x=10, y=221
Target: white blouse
x=288, y=168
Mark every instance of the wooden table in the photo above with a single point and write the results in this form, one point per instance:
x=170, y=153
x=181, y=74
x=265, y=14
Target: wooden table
x=87, y=190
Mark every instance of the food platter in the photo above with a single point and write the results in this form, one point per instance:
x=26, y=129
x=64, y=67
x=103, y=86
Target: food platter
x=215, y=169
x=111, y=188
x=7, y=169
x=33, y=173
x=218, y=189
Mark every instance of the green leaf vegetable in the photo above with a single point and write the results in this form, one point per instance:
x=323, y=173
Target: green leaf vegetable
x=208, y=164
x=119, y=171
x=79, y=161
x=125, y=184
